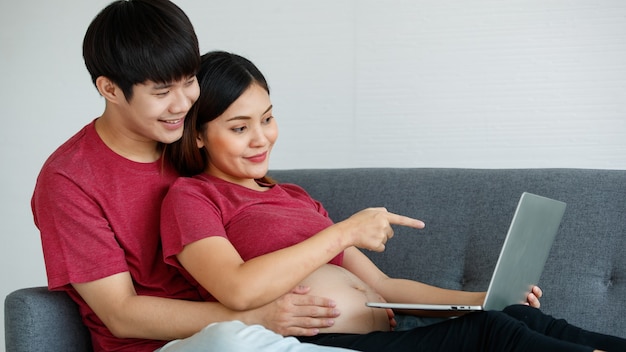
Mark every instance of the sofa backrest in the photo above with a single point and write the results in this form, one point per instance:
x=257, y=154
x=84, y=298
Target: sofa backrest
x=467, y=214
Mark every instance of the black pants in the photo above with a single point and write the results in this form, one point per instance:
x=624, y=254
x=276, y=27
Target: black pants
x=517, y=328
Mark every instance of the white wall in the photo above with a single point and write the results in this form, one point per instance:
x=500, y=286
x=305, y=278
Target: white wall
x=485, y=83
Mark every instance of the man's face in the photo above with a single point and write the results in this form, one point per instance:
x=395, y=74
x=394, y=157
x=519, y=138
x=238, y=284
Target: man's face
x=157, y=111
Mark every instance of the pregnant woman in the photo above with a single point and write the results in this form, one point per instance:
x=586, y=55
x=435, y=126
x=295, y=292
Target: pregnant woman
x=245, y=240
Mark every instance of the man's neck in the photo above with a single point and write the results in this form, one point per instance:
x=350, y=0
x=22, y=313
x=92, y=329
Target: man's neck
x=125, y=143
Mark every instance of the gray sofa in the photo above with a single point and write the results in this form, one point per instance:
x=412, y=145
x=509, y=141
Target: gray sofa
x=467, y=212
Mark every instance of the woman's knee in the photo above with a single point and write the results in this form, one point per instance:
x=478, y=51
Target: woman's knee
x=536, y=319
x=521, y=311
x=501, y=321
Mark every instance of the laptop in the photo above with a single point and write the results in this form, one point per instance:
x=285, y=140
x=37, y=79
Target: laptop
x=522, y=257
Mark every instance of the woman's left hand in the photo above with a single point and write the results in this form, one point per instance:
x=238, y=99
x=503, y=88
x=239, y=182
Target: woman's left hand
x=533, y=297
x=392, y=319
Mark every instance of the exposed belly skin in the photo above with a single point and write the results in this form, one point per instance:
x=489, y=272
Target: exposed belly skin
x=350, y=294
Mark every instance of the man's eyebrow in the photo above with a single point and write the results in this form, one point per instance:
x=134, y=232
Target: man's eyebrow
x=248, y=117
x=161, y=85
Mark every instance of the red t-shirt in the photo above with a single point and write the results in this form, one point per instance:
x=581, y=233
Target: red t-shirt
x=98, y=214
x=254, y=222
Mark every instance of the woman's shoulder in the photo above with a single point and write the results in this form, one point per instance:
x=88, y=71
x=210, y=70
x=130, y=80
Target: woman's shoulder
x=193, y=186
x=184, y=182
x=210, y=187
x=297, y=192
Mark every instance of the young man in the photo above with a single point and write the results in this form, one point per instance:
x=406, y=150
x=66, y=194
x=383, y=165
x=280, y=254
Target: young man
x=98, y=197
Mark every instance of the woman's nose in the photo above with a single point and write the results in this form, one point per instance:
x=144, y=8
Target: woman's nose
x=258, y=138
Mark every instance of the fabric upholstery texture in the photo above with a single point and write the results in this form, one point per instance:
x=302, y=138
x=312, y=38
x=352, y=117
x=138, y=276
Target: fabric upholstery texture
x=467, y=214
x=36, y=319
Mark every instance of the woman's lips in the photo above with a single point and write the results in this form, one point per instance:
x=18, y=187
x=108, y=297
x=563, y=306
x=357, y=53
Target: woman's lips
x=258, y=158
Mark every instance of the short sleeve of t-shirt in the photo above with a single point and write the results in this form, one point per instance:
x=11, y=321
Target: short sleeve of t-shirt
x=78, y=242
x=187, y=215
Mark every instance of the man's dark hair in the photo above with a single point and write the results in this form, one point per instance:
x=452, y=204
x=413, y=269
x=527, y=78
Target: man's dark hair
x=134, y=41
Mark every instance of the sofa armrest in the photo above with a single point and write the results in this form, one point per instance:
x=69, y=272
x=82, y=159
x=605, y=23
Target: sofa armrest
x=36, y=319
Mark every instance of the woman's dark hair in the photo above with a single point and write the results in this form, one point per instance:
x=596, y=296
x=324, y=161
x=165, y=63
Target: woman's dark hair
x=132, y=41
x=223, y=77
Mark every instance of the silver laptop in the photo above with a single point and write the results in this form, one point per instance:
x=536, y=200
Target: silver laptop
x=522, y=258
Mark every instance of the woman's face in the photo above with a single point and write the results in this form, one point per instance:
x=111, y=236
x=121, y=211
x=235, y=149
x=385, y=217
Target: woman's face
x=240, y=140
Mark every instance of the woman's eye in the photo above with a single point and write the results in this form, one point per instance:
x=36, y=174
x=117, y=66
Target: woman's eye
x=238, y=129
x=268, y=119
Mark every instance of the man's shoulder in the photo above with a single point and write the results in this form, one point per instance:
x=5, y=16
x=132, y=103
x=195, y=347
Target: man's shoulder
x=73, y=152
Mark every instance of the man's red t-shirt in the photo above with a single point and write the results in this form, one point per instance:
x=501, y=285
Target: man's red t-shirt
x=98, y=214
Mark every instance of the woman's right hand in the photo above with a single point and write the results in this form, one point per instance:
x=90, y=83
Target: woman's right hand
x=371, y=228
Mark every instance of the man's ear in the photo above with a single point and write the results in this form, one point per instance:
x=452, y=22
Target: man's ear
x=109, y=90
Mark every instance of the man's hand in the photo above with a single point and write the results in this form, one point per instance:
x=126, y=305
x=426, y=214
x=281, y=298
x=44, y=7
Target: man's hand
x=298, y=314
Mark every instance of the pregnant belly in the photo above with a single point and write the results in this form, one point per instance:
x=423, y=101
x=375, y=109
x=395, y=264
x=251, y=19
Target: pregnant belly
x=350, y=294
